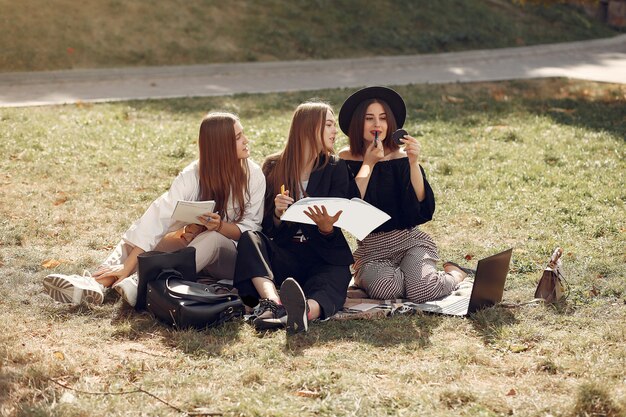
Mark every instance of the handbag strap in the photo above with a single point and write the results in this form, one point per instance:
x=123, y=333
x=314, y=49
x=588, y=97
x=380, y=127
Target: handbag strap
x=168, y=273
x=196, y=292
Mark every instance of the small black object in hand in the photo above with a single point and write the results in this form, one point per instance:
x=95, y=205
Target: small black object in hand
x=397, y=135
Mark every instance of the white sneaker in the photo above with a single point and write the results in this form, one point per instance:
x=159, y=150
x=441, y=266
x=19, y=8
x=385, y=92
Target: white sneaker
x=127, y=288
x=74, y=289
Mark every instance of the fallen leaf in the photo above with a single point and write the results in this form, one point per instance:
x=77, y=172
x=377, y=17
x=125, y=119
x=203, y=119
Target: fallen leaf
x=560, y=110
x=469, y=257
x=518, y=348
x=203, y=411
x=59, y=355
x=18, y=157
x=451, y=99
x=511, y=392
x=61, y=199
x=499, y=95
x=308, y=394
x=50, y=263
x=496, y=127
x=67, y=398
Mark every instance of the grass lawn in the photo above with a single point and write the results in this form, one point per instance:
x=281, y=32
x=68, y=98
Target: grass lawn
x=47, y=35
x=527, y=164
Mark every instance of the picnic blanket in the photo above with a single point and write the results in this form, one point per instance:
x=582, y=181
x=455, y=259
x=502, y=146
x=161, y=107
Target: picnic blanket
x=358, y=307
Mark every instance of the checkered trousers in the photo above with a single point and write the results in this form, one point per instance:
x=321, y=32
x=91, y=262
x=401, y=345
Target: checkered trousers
x=401, y=264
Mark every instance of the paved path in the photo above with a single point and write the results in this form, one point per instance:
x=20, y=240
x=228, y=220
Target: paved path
x=597, y=60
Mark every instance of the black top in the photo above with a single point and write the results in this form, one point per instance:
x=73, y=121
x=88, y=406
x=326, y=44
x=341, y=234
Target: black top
x=330, y=181
x=390, y=190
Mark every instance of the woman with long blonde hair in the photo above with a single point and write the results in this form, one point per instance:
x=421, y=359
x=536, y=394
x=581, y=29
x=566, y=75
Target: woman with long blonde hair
x=223, y=173
x=309, y=263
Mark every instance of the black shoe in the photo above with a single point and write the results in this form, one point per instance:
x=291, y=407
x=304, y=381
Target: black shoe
x=468, y=271
x=270, y=315
x=293, y=299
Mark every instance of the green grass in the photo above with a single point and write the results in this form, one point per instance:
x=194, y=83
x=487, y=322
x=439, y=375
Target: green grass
x=48, y=35
x=524, y=164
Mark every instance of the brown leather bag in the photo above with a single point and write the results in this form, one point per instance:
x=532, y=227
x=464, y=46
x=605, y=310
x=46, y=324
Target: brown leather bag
x=550, y=287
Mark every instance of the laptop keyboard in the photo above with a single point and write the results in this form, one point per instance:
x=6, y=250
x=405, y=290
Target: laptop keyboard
x=458, y=307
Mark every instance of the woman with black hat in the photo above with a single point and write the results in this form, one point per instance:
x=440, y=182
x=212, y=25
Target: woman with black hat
x=396, y=260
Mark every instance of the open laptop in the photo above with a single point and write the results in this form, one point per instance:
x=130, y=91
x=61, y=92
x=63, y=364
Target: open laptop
x=487, y=289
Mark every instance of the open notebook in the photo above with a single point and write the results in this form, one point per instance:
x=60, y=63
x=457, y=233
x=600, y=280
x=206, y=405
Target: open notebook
x=358, y=217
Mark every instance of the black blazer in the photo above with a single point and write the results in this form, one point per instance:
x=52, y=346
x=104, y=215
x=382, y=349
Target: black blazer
x=330, y=181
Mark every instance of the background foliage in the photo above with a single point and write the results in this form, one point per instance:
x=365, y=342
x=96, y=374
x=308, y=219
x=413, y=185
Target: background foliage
x=61, y=34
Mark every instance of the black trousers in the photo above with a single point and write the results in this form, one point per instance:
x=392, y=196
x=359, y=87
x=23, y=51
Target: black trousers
x=259, y=256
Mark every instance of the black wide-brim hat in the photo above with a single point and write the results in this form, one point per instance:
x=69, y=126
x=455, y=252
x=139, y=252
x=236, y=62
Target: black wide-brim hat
x=389, y=96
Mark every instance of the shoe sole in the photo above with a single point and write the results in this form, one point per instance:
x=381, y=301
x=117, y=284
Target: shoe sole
x=292, y=297
x=61, y=290
x=267, y=325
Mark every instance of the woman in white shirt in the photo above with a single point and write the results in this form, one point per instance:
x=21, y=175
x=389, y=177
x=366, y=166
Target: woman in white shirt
x=222, y=173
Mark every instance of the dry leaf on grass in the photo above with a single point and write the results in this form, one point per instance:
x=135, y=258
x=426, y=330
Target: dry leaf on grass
x=451, y=99
x=560, y=110
x=511, y=392
x=308, y=394
x=61, y=199
x=518, y=348
x=203, y=411
x=67, y=398
x=59, y=355
x=496, y=127
x=50, y=263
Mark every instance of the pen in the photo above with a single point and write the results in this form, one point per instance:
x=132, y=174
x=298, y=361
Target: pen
x=376, y=139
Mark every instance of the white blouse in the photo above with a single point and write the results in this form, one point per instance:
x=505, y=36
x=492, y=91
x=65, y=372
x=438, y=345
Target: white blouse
x=157, y=221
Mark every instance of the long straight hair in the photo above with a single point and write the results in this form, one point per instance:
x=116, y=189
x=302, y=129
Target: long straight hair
x=355, y=132
x=305, y=135
x=222, y=174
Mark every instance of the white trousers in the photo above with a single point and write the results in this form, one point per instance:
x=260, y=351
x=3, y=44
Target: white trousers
x=215, y=253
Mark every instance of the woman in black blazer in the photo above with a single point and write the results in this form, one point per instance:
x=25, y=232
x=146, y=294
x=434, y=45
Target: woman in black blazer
x=309, y=263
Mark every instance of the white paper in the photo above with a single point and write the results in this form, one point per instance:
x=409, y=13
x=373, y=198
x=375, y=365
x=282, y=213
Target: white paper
x=188, y=211
x=363, y=307
x=358, y=217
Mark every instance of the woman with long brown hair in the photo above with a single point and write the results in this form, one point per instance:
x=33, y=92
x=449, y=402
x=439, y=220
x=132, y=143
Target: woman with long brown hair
x=223, y=173
x=309, y=263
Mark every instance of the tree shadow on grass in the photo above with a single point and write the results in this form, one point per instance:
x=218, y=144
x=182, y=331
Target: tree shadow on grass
x=411, y=331
x=586, y=104
x=490, y=322
x=209, y=342
x=130, y=325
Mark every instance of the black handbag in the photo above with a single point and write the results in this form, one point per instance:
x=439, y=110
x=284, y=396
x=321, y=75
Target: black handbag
x=183, y=304
x=151, y=264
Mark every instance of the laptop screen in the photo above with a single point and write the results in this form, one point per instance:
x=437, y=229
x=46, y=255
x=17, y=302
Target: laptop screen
x=489, y=282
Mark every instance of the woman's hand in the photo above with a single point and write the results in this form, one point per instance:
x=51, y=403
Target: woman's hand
x=211, y=221
x=191, y=231
x=111, y=275
x=281, y=203
x=373, y=153
x=322, y=219
x=412, y=149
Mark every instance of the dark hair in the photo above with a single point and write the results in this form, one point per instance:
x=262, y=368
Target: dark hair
x=355, y=133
